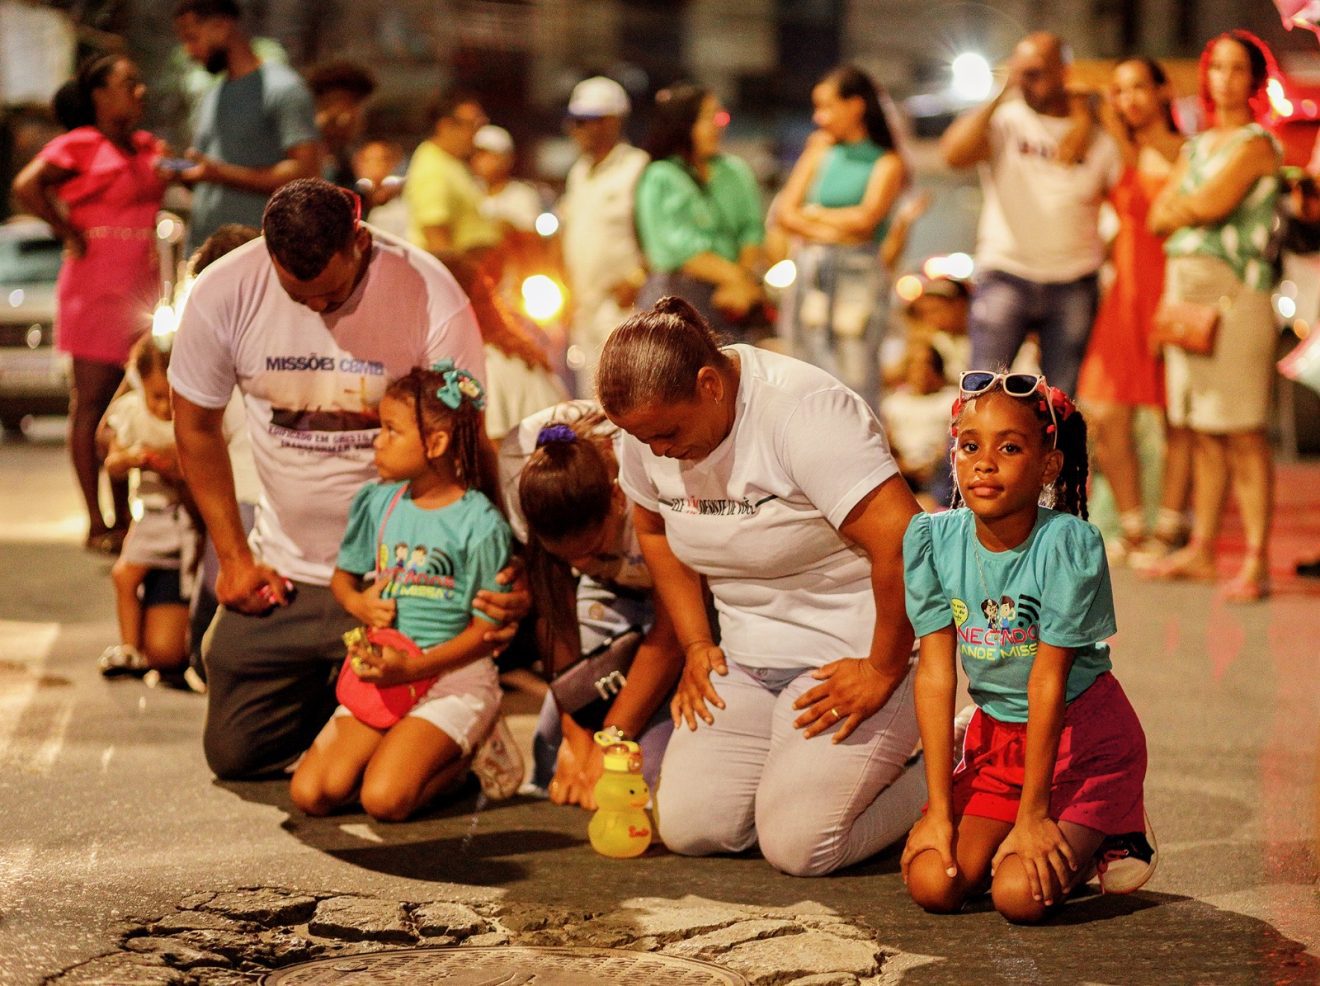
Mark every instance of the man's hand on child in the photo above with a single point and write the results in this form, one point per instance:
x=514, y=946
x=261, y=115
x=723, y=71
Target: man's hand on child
x=1043, y=850
x=508, y=607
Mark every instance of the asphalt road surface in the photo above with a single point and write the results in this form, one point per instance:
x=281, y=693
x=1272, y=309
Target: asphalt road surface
x=108, y=814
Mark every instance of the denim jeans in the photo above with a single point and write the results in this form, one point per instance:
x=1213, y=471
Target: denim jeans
x=1006, y=308
x=835, y=314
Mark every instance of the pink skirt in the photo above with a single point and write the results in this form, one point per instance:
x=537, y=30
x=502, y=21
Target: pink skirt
x=1099, y=774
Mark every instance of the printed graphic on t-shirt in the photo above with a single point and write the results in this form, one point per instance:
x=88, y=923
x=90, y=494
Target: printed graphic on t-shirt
x=326, y=403
x=1008, y=629
x=416, y=570
x=742, y=507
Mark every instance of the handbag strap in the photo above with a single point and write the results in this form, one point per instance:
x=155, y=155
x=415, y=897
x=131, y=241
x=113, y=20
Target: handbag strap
x=380, y=533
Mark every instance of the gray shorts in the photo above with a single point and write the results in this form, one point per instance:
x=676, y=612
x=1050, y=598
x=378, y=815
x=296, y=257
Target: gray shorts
x=163, y=537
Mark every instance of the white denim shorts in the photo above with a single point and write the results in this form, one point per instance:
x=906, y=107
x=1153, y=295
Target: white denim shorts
x=463, y=703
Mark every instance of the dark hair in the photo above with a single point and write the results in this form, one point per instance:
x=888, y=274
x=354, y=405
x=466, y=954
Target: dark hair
x=1068, y=491
x=852, y=83
x=72, y=103
x=147, y=357
x=676, y=111
x=1160, y=78
x=307, y=222
x=936, y=360
x=654, y=357
x=341, y=76
x=228, y=237
x=472, y=466
x=1259, y=58
x=447, y=101
x=206, y=9
x=565, y=488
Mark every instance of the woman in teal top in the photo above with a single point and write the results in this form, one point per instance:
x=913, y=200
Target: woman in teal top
x=1218, y=210
x=836, y=203
x=699, y=212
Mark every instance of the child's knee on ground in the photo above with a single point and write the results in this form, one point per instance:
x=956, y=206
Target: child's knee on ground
x=931, y=887
x=1011, y=892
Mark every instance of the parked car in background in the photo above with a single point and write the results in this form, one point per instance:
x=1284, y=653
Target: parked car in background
x=34, y=377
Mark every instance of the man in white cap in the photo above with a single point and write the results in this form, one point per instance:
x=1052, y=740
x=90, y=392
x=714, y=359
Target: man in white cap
x=601, y=257
x=513, y=204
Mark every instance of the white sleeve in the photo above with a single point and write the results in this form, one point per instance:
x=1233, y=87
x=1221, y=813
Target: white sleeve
x=836, y=451
x=202, y=359
x=455, y=335
x=632, y=474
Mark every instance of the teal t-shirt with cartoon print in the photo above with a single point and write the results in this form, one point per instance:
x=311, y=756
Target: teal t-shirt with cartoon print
x=435, y=561
x=1053, y=587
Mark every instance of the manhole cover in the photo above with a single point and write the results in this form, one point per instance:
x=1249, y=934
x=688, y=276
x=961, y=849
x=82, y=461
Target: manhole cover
x=507, y=966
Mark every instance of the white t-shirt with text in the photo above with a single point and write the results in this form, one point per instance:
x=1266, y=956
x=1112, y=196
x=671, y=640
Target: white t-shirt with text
x=1040, y=218
x=759, y=516
x=311, y=382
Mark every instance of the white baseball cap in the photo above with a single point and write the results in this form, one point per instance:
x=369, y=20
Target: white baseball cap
x=494, y=139
x=597, y=97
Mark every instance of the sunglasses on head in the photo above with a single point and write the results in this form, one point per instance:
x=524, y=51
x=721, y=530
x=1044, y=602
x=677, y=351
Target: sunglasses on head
x=973, y=383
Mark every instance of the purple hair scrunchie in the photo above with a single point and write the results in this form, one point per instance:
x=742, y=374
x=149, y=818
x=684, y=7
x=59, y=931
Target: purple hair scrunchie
x=556, y=433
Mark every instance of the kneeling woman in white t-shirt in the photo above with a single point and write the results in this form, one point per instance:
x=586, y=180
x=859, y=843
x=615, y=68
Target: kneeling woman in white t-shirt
x=773, y=482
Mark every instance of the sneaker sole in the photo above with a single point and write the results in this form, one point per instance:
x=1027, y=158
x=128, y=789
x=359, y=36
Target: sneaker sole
x=1149, y=871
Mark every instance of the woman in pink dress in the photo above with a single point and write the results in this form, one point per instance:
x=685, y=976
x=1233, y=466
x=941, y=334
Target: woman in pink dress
x=1120, y=372
x=98, y=189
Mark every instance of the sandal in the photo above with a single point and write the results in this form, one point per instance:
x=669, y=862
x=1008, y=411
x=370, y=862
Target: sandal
x=1179, y=566
x=105, y=542
x=1247, y=590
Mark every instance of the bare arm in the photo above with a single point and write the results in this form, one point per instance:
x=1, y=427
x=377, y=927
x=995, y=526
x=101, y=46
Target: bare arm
x=856, y=223
x=35, y=188
x=677, y=587
x=300, y=161
x=853, y=689
x=1036, y=838
x=1165, y=215
x=1219, y=196
x=896, y=239
x=967, y=141
x=439, y=240
x=654, y=670
x=934, y=688
x=204, y=458
x=788, y=204
x=393, y=667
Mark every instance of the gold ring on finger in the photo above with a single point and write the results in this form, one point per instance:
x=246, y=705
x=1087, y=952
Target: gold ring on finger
x=836, y=713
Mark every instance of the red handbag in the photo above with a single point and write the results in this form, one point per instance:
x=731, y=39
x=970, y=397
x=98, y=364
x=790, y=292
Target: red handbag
x=375, y=705
x=1188, y=325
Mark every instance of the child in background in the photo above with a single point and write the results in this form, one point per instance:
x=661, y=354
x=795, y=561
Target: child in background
x=1054, y=758
x=916, y=419
x=164, y=538
x=430, y=499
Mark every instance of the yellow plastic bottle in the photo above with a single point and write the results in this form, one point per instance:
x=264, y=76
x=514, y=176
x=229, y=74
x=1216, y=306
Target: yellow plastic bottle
x=620, y=828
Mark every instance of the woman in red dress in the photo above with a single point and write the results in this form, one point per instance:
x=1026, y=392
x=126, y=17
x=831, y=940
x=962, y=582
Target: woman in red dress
x=1120, y=372
x=98, y=189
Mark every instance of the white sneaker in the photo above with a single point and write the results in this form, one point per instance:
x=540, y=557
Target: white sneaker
x=498, y=764
x=121, y=659
x=1124, y=863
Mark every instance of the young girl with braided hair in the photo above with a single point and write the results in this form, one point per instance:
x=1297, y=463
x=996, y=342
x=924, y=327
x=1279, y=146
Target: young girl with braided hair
x=1054, y=758
x=431, y=538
